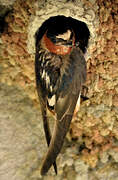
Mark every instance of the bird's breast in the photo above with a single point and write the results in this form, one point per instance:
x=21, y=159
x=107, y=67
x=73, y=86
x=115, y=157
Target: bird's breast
x=49, y=68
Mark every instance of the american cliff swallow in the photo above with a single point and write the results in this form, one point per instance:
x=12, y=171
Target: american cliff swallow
x=60, y=68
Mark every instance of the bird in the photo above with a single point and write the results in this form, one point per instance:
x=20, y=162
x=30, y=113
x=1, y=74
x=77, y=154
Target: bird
x=60, y=70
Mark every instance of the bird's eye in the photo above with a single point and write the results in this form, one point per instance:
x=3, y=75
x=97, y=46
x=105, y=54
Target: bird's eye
x=77, y=44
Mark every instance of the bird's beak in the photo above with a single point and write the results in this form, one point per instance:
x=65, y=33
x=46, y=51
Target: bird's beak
x=68, y=43
x=61, y=42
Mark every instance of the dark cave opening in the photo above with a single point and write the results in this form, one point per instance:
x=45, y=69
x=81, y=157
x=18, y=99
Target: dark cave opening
x=60, y=23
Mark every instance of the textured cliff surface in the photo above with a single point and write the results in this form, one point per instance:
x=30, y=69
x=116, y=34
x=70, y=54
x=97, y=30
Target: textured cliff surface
x=93, y=138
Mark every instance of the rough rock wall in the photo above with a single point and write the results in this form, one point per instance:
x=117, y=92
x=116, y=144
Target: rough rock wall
x=21, y=135
x=96, y=127
x=17, y=66
x=98, y=117
x=7, y=2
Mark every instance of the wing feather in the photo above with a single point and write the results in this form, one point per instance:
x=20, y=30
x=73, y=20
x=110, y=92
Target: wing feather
x=66, y=99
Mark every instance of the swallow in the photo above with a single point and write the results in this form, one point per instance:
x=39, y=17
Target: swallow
x=60, y=69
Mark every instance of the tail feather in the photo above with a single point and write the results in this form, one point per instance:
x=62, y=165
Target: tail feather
x=48, y=134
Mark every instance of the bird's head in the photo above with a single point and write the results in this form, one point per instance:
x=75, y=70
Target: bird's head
x=61, y=43
x=62, y=31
